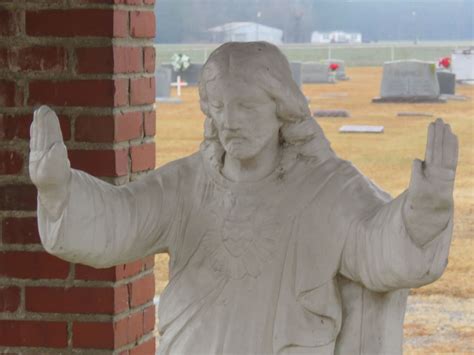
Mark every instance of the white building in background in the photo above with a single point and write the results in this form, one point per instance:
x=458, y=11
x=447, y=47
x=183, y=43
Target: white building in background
x=245, y=32
x=336, y=37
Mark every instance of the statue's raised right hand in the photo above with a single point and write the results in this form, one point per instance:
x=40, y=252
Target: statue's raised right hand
x=49, y=166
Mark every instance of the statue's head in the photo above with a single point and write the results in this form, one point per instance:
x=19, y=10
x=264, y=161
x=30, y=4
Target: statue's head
x=249, y=96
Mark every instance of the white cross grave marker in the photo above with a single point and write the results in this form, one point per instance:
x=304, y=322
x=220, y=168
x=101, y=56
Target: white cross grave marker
x=179, y=84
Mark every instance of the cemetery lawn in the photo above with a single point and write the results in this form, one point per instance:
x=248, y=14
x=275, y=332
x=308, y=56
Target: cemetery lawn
x=440, y=317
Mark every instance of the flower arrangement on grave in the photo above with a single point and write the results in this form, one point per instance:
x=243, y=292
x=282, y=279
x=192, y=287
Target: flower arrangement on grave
x=444, y=63
x=180, y=62
x=334, y=66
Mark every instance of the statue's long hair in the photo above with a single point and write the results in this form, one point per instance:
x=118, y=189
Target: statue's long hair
x=264, y=65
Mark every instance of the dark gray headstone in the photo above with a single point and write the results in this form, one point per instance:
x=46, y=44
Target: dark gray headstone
x=190, y=75
x=331, y=113
x=414, y=114
x=447, y=82
x=316, y=73
x=296, y=72
x=163, y=82
x=409, y=81
x=341, y=71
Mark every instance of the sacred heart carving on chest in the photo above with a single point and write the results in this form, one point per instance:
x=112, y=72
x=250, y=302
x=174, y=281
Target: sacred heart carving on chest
x=243, y=238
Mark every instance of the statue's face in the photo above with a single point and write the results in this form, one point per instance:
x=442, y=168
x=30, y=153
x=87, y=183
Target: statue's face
x=244, y=115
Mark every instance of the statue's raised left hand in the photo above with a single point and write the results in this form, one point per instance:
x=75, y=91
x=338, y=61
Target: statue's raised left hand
x=49, y=165
x=429, y=203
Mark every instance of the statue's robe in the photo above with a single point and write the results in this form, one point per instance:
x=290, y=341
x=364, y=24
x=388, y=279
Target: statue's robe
x=314, y=259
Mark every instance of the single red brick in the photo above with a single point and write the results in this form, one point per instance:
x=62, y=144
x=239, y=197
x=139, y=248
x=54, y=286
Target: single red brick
x=20, y=230
x=33, y=333
x=11, y=162
x=149, y=59
x=98, y=335
x=142, y=290
x=9, y=299
x=109, y=60
x=100, y=162
x=32, y=265
x=121, y=332
x=149, y=2
x=131, y=269
x=76, y=23
x=149, y=321
x=7, y=93
x=95, y=129
x=110, y=2
x=142, y=91
x=3, y=58
x=135, y=326
x=134, y=2
x=128, y=126
x=17, y=197
x=121, y=92
x=149, y=123
x=149, y=262
x=7, y=23
x=89, y=273
x=92, y=93
x=142, y=24
x=38, y=59
x=143, y=157
x=148, y=348
x=18, y=126
x=103, y=300
x=109, y=128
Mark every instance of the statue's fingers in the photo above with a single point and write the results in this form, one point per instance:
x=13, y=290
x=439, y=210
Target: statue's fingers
x=33, y=138
x=429, y=144
x=438, y=142
x=450, y=150
x=54, y=128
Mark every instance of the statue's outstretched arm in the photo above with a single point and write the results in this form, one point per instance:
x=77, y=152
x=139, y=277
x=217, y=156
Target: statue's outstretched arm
x=83, y=219
x=405, y=242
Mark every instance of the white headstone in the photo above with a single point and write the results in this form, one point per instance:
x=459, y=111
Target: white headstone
x=361, y=129
x=462, y=64
x=409, y=81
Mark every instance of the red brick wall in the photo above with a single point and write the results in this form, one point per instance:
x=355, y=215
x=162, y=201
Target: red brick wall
x=93, y=61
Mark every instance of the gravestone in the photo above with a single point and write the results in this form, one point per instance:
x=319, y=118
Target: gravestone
x=361, y=129
x=447, y=83
x=409, y=81
x=163, y=82
x=462, y=64
x=331, y=113
x=296, y=72
x=316, y=73
x=414, y=114
x=341, y=70
x=190, y=75
x=163, y=86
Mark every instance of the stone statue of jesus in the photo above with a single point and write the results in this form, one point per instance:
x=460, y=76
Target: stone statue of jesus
x=277, y=246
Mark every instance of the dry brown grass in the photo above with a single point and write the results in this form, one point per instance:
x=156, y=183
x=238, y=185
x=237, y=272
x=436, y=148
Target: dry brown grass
x=386, y=159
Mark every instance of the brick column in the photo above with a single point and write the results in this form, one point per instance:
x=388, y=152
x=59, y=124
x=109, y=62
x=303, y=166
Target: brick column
x=92, y=61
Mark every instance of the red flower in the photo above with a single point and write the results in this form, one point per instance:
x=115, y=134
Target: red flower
x=445, y=62
x=334, y=66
